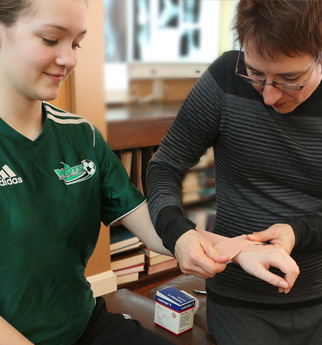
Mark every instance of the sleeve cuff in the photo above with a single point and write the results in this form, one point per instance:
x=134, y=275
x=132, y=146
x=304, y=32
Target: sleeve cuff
x=297, y=226
x=171, y=224
x=308, y=233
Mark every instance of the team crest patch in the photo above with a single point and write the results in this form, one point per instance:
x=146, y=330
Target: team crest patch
x=78, y=173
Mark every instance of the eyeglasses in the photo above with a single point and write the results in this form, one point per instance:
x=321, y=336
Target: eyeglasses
x=277, y=85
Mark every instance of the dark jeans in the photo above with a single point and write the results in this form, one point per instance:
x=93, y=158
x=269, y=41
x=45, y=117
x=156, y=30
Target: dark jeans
x=105, y=328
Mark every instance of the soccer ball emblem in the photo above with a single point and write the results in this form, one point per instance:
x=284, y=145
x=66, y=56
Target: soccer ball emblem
x=89, y=166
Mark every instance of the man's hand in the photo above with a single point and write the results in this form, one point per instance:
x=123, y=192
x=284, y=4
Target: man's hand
x=196, y=255
x=257, y=263
x=280, y=235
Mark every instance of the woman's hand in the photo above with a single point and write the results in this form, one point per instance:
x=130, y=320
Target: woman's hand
x=257, y=263
x=196, y=255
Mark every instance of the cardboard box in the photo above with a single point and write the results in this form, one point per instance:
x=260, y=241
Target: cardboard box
x=174, y=310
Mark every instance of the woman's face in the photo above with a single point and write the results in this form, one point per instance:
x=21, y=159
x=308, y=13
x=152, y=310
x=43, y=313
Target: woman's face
x=40, y=50
x=292, y=70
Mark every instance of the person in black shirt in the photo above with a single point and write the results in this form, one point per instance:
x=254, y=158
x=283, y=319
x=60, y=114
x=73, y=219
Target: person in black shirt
x=260, y=109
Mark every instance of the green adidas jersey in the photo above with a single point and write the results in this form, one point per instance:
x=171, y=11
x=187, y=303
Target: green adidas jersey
x=54, y=192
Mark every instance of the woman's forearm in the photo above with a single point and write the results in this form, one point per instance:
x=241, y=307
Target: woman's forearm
x=139, y=223
x=9, y=335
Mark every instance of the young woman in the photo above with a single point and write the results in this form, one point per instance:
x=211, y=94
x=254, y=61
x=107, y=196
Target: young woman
x=261, y=110
x=58, y=181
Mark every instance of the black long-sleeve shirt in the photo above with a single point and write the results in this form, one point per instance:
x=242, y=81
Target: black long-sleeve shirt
x=268, y=169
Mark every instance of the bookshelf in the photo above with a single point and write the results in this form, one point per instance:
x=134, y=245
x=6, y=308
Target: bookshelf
x=138, y=130
x=198, y=185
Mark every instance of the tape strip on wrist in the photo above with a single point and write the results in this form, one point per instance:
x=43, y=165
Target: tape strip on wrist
x=231, y=247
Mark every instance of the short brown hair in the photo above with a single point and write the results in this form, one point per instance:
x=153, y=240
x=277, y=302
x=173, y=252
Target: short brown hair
x=280, y=27
x=10, y=10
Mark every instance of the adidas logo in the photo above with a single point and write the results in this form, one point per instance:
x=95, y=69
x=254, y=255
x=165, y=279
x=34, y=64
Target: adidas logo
x=8, y=177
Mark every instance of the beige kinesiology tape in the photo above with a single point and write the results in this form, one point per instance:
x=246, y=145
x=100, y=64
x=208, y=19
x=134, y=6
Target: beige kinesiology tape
x=232, y=246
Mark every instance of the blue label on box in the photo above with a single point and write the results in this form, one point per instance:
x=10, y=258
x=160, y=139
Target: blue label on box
x=175, y=299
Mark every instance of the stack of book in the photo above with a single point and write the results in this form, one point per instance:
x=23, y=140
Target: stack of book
x=156, y=262
x=126, y=262
x=121, y=239
x=129, y=257
x=127, y=265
